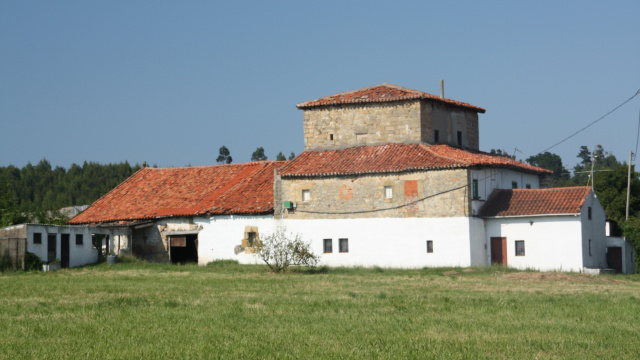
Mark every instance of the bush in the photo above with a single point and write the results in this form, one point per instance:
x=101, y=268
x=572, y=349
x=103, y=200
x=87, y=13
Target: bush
x=280, y=250
x=32, y=262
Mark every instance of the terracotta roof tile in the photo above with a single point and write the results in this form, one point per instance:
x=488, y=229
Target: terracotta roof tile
x=391, y=158
x=154, y=193
x=521, y=202
x=382, y=93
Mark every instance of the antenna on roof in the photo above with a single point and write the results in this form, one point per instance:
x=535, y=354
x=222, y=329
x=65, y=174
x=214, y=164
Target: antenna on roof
x=442, y=89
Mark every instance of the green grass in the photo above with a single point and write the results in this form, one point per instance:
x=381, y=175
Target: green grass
x=138, y=310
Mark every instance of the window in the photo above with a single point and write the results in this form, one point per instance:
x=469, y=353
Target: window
x=589, y=212
x=328, y=246
x=344, y=245
x=528, y=186
x=306, y=195
x=429, y=246
x=37, y=238
x=79, y=239
x=514, y=184
x=590, y=254
x=519, y=247
x=436, y=136
x=251, y=239
x=388, y=192
x=475, y=189
x=330, y=136
x=460, y=138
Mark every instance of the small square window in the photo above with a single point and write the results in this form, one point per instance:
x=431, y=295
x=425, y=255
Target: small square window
x=514, y=184
x=528, y=186
x=251, y=239
x=429, y=246
x=37, y=238
x=330, y=136
x=388, y=192
x=344, y=245
x=79, y=239
x=519, y=247
x=328, y=246
x=306, y=195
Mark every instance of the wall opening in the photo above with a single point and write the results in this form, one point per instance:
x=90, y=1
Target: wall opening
x=184, y=249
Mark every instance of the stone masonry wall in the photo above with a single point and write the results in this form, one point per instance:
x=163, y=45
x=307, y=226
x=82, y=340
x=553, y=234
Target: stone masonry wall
x=364, y=196
x=361, y=124
x=448, y=121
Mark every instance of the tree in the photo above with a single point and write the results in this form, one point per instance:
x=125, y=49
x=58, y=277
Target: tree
x=258, y=155
x=9, y=212
x=292, y=156
x=551, y=162
x=631, y=231
x=280, y=156
x=502, y=153
x=585, y=155
x=280, y=250
x=224, y=157
x=611, y=188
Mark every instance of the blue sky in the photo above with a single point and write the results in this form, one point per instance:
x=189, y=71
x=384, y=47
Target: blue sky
x=169, y=82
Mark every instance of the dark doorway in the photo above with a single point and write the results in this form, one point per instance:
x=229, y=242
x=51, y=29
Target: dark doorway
x=64, y=250
x=51, y=247
x=499, y=250
x=614, y=258
x=184, y=249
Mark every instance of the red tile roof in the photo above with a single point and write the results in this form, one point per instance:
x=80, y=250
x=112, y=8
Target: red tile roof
x=382, y=93
x=522, y=202
x=393, y=158
x=155, y=193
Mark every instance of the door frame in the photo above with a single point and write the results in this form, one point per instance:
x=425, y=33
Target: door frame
x=499, y=256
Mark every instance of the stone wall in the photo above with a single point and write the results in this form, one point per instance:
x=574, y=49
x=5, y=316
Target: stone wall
x=394, y=122
x=364, y=196
x=361, y=124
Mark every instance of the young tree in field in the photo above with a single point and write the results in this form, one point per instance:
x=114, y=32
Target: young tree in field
x=280, y=156
x=280, y=250
x=225, y=156
x=292, y=155
x=258, y=155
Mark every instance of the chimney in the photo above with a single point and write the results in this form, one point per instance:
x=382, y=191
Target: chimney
x=442, y=89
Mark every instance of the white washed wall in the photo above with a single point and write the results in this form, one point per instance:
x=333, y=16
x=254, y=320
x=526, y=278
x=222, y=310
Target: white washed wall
x=491, y=179
x=78, y=254
x=552, y=243
x=384, y=242
x=594, y=230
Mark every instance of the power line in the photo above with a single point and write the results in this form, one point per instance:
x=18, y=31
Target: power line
x=600, y=118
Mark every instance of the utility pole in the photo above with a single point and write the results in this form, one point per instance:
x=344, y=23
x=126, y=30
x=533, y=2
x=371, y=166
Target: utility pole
x=628, y=186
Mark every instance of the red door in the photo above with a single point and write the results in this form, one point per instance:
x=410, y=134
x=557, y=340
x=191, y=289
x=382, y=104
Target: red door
x=499, y=250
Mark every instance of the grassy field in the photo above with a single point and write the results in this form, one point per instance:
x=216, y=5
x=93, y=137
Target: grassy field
x=141, y=311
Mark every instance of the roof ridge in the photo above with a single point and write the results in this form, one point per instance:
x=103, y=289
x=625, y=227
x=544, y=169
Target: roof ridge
x=426, y=146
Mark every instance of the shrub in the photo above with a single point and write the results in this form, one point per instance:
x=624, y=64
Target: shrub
x=280, y=250
x=32, y=262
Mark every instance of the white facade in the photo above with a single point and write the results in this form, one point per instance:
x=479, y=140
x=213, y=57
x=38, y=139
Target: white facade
x=489, y=179
x=384, y=242
x=569, y=242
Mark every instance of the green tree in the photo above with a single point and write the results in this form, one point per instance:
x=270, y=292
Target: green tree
x=225, y=156
x=631, y=231
x=258, y=155
x=611, y=188
x=292, y=155
x=280, y=156
x=551, y=162
x=9, y=212
x=499, y=152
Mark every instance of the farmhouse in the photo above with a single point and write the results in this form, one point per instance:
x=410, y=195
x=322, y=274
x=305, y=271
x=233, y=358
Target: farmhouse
x=389, y=177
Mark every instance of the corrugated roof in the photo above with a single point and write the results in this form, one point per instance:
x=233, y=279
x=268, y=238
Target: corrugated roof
x=390, y=158
x=522, y=202
x=382, y=93
x=162, y=192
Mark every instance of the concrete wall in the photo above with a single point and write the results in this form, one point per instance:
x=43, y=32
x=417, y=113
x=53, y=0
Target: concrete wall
x=628, y=253
x=552, y=243
x=79, y=254
x=358, y=197
x=386, y=242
